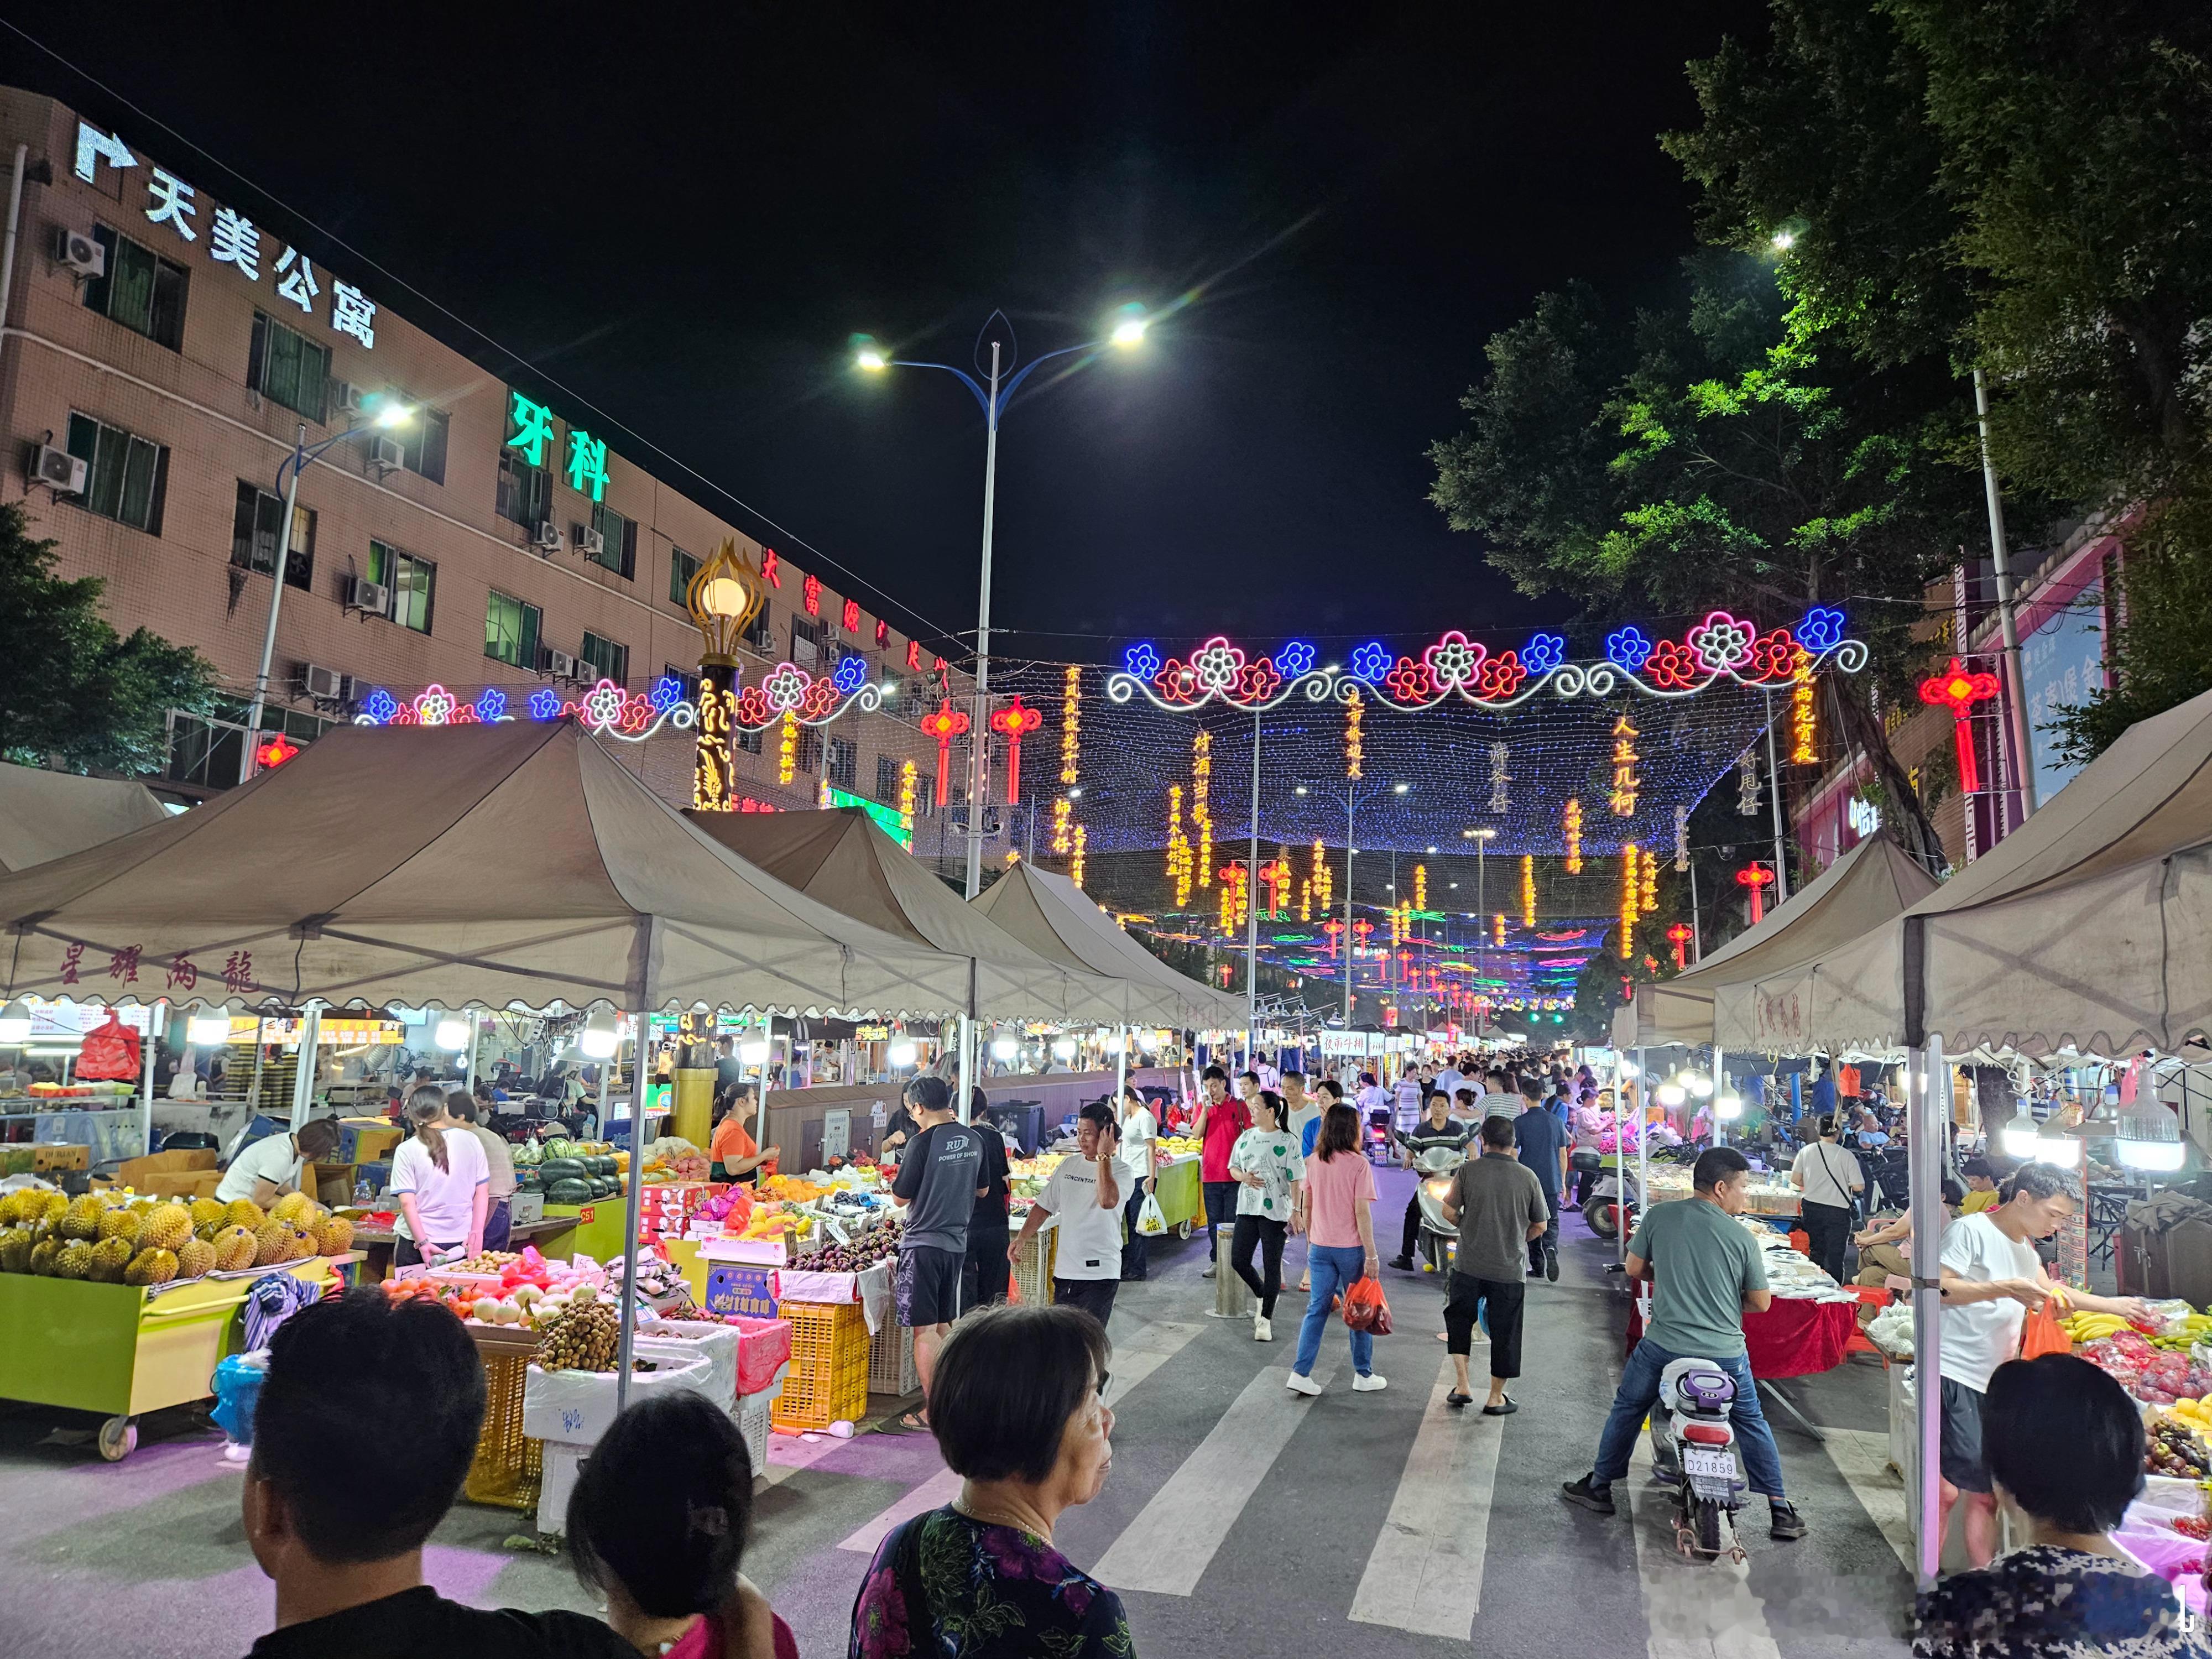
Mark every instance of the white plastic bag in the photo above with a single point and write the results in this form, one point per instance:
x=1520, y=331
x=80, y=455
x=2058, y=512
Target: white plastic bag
x=1151, y=1223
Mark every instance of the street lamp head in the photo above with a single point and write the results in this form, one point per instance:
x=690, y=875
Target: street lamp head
x=868, y=352
x=1129, y=326
x=871, y=361
x=725, y=595
x=1399, y=788
x=394, y=413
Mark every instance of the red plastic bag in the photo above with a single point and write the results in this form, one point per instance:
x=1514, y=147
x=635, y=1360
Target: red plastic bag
x=110, y=1053
x=2042, y=1333
x=1365, y=1308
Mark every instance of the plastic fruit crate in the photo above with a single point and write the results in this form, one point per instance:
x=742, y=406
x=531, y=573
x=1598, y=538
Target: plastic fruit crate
x=828, y=1382
x=890, y=1360
x=508, y=1464
x=1031, y=1278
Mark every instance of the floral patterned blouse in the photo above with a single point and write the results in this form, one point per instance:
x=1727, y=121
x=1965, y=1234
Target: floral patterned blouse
x=2045, y=1602
x=945, y=1586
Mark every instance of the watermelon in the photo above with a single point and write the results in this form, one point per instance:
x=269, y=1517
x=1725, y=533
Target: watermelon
x=571, y=1191
x=560, y=1146
x=601, y=1166
x=562, y=1169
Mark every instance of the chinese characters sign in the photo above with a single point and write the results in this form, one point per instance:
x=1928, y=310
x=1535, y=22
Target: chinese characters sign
x=232, y=239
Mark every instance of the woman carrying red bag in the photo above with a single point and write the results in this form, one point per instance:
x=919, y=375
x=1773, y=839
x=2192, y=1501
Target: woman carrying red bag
x=1334, y=1212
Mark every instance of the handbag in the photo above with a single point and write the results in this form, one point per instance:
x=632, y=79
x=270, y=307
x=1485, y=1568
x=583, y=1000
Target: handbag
x=1151, y=1223
x=1365, y=1308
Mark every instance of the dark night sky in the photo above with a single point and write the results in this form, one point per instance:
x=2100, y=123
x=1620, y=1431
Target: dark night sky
x=684, y=219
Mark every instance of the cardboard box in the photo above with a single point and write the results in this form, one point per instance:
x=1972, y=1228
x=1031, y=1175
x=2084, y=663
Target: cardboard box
x=736, y=1290
x=60, y=1155
x=185, y=1175
x=366, y=1139
x=333, y=1183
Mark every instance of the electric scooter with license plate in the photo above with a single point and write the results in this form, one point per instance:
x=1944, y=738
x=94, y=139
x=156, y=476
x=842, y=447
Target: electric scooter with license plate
x=1693, y=1450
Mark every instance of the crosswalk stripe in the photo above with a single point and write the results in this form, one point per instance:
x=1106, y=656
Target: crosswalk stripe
x=1424, y=1573
x=1862, y=1457
x=1692, y=1609
x=1137, y=1354
x=1167, y=1548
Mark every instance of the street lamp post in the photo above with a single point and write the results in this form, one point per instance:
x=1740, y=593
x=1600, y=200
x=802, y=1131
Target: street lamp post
x=1127, y=333
x=725, y=595
x=393, y=414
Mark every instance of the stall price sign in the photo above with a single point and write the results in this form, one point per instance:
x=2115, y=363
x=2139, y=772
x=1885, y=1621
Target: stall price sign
x=837, y=1131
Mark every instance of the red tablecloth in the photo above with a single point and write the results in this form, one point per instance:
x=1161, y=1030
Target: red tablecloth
x=1793, y=1338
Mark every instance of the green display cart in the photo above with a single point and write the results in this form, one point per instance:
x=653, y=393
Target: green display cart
x=1182, y=1201
x=596, y=1230
x=123, y=1350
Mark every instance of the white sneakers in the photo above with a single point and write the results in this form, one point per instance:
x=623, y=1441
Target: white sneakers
x=1306, y=1385
x=1262, y=1330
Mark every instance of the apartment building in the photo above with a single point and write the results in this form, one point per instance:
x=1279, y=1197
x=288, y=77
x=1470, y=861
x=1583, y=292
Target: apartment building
x=162, y=355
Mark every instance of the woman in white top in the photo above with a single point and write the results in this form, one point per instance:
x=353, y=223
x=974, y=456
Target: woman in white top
x=1829, y=1178
x=275, y=1164
x=1140, y=1131
x=1268, y=1166
x=441, y=1181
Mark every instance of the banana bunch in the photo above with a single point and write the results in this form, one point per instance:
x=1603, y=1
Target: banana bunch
x=2088, y=1326
x=2186, y=1332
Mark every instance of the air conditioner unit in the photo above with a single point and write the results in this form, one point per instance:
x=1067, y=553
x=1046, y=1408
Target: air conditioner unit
x=365, y=595
x=589, y=542
x=326, y=685
x=389, y=453
x=559, y=664
x=347, y=398
x=59, y=470
x=77, y=253
x=548, y=538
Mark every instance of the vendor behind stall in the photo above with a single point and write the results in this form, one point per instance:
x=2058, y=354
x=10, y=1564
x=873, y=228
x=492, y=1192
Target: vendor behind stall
x=276, y=1164
x=731, y=1150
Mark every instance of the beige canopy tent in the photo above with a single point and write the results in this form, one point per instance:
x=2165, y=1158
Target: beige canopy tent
x=48, y=815
x=515, y=864
x=2089, y=926
x=1057, y=920
x=841, y=857
x=1871, y=883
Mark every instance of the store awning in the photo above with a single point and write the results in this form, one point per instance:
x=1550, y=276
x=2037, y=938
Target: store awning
x=1873, y=882
x=841, y=858
x=2089, y=926
x=1060, y=922
x=514, y=864
x=49, y=815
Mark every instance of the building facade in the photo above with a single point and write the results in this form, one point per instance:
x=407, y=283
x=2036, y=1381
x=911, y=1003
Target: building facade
x=177, y=351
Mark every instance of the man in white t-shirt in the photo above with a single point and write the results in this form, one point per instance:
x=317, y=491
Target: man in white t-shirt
x=275, y=1164
x=1991, y=1279
x=1140, y=1131
x=1086, y=1192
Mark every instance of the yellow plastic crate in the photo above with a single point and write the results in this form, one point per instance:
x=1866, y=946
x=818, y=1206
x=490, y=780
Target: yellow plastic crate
x=509, y=1464
x=828, y=1382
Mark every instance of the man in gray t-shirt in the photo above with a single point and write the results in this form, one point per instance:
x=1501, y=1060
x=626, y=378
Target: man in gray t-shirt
x=940, y=1178
x=1706, y=1273
x=1498, y=1207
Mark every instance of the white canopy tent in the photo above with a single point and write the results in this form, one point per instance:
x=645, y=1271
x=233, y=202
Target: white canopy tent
x=1057, y=920
x=841, y=858
x=49, y=815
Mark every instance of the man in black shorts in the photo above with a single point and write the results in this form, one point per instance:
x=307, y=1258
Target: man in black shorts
x=939, y=1179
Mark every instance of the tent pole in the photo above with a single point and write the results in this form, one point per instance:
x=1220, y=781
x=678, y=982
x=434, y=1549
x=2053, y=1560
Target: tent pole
x=157, y=1026
x=1927, y=1083
x=303, y=1073
x=967, y=1064
x=1720, y=1128
x=633, y=1210
x=1121, y=1066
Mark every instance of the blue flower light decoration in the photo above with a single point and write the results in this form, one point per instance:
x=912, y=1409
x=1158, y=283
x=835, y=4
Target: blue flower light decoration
x=1295, y=659
x=1628, y=647
x=1141, y=660
x=667, y=692
x=850, y=674
x=1370, y=662
x=380, y=706
x=491, y=704
x=545, y=705
x=1543, y=652
x=1822, y=630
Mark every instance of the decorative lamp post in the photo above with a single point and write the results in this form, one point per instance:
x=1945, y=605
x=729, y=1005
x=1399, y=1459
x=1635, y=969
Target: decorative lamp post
x=1958, y=689
x=725, y=596
x=1755, y=877
x=1678, y=937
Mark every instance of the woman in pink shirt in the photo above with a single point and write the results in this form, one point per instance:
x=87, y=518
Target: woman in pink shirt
x=1334, y=1212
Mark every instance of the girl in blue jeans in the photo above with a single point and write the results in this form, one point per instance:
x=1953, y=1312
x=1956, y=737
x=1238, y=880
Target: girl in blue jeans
x=1334, y=1211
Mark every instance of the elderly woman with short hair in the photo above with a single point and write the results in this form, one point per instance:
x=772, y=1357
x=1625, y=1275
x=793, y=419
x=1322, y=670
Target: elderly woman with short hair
x=1019, y=1412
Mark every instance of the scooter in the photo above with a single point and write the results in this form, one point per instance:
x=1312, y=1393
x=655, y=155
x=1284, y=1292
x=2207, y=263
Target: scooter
x=1693, y=1451
x=1606, y=1203
x=1378, y=1135
x=1433, y=1168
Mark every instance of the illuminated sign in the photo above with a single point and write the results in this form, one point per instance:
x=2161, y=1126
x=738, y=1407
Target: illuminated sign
x=886, y=817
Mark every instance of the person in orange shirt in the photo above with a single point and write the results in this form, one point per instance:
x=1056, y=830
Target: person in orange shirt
x=732, y=1151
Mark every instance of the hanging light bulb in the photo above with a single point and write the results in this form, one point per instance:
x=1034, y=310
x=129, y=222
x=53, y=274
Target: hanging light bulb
x=1671, y=1093
x=1698, y=1084
x=1063, y=1048
x=208, y=1027
x=601, y=1035
x=902, y=1055
x=2021, y=1137
x=450, y=1032
x=1727, y=1108
x=16, y=1024
x=1003, y=1047
x=2149, y=1137
x=755, y=1053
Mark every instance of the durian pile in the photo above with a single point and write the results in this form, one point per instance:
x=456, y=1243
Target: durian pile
x=113, y=1238
x=582, y=1337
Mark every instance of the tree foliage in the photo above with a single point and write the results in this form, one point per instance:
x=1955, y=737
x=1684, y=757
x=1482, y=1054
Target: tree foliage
x=70, y=685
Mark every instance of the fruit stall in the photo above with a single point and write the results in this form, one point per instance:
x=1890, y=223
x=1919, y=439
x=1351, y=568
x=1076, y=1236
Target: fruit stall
x=121, y=1305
